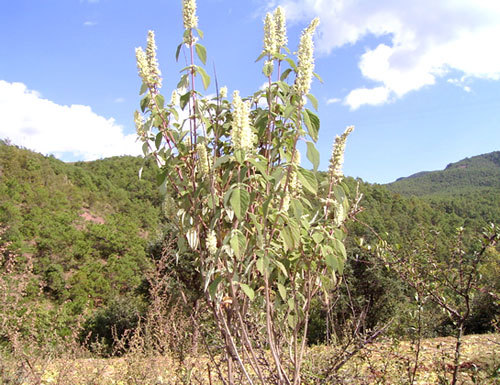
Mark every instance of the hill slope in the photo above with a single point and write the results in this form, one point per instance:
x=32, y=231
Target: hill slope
x=470, y=174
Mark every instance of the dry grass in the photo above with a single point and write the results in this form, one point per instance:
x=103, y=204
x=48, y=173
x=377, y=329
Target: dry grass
x=380, y=363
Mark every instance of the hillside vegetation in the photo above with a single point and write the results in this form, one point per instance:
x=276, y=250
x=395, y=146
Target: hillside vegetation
x=88, y=234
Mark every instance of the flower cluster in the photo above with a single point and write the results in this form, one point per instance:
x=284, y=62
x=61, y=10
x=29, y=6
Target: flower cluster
x=223, y=92
x=294, y=185
x=280, y=21
x=174, y=98
x=337, y=159
x=139, y=126
x=189, y=14
x=147, y=63
x=274, y=32
x=305, y=67
x=203, y=158
x=211, y=242
x=269, y=34
x=339, y=213
x=242, y=136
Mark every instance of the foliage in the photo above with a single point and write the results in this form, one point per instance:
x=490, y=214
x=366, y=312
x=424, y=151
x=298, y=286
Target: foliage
x=232, y=180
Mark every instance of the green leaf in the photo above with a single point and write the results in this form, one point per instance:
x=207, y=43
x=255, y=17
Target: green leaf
x=312, y=123
x=183, y=82
x=184, y=99
x=318, y=77
x=201, y=51
x=281, y=267
x=248, y=291
x=260, y=56
x=313, y=155
x=282, y=291
x=238, y=244
x=285, y=74
x=262, y=265
x=212, y=288
x=339, y=247
x=288, y=111
x=240, y=198
x=160, y=101
x=297, y=207
x=204, y=77
x=220, y=161
x=331, y=262
x=318, y=237
x=158, y=140
x=200, y=33
x=313, y=101
x=145, y=103
x=287, y=238
x=177, y=52
x=144, y=88
x=308, y=179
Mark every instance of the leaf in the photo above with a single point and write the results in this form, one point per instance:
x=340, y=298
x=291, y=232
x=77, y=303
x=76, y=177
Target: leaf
x=318, y=237
x=312, y=123
x=248, y=291
x=212, y=288
x=238, y=244
x=318, y=77
x=287, y=238
x=285, y=74
x=200, y=33
x=260, y=56
x=339, y=247
x=282, y=291
x=290, y=108
x=204, y=77
x=281, y=267
x=145, y=103
x=160, y=101
x=220, y=161
x=262, y=265
x=331, y=262
x=239, y=202
x=313, y=101
x=201, y=51
x=184, y=99
x=313, y=155
x=177, y=52
x=144, y=88
x=158, y=139
x=308, y=180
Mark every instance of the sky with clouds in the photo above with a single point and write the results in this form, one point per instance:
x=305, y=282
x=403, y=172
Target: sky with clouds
x=420, y=80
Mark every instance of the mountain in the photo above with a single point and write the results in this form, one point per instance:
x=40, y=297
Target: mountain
x=469, y=174
x=90, y=230
x=469, y=188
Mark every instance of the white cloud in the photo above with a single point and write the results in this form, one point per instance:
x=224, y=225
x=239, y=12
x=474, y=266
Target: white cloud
x=333, y=100
x=89, y=23
x=370, y=96
x=39, y=124
x=428, y=38
x=120, y=100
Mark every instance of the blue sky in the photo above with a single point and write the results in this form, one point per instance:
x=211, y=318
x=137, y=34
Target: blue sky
x=419, y=80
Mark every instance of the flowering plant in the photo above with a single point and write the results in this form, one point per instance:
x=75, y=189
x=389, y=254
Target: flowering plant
x=241, y=201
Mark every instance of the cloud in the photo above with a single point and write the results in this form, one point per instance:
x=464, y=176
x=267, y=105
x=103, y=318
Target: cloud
x=423, y=40
x=333, y=100
x=120, y=100
x=371, y=96
x=39, y=124
x=89, y=23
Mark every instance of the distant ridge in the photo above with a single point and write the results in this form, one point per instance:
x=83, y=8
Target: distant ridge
x=465, y=176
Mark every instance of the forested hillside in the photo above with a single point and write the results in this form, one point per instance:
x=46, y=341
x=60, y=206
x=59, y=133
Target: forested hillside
x=469, y=188
x=91, y=230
